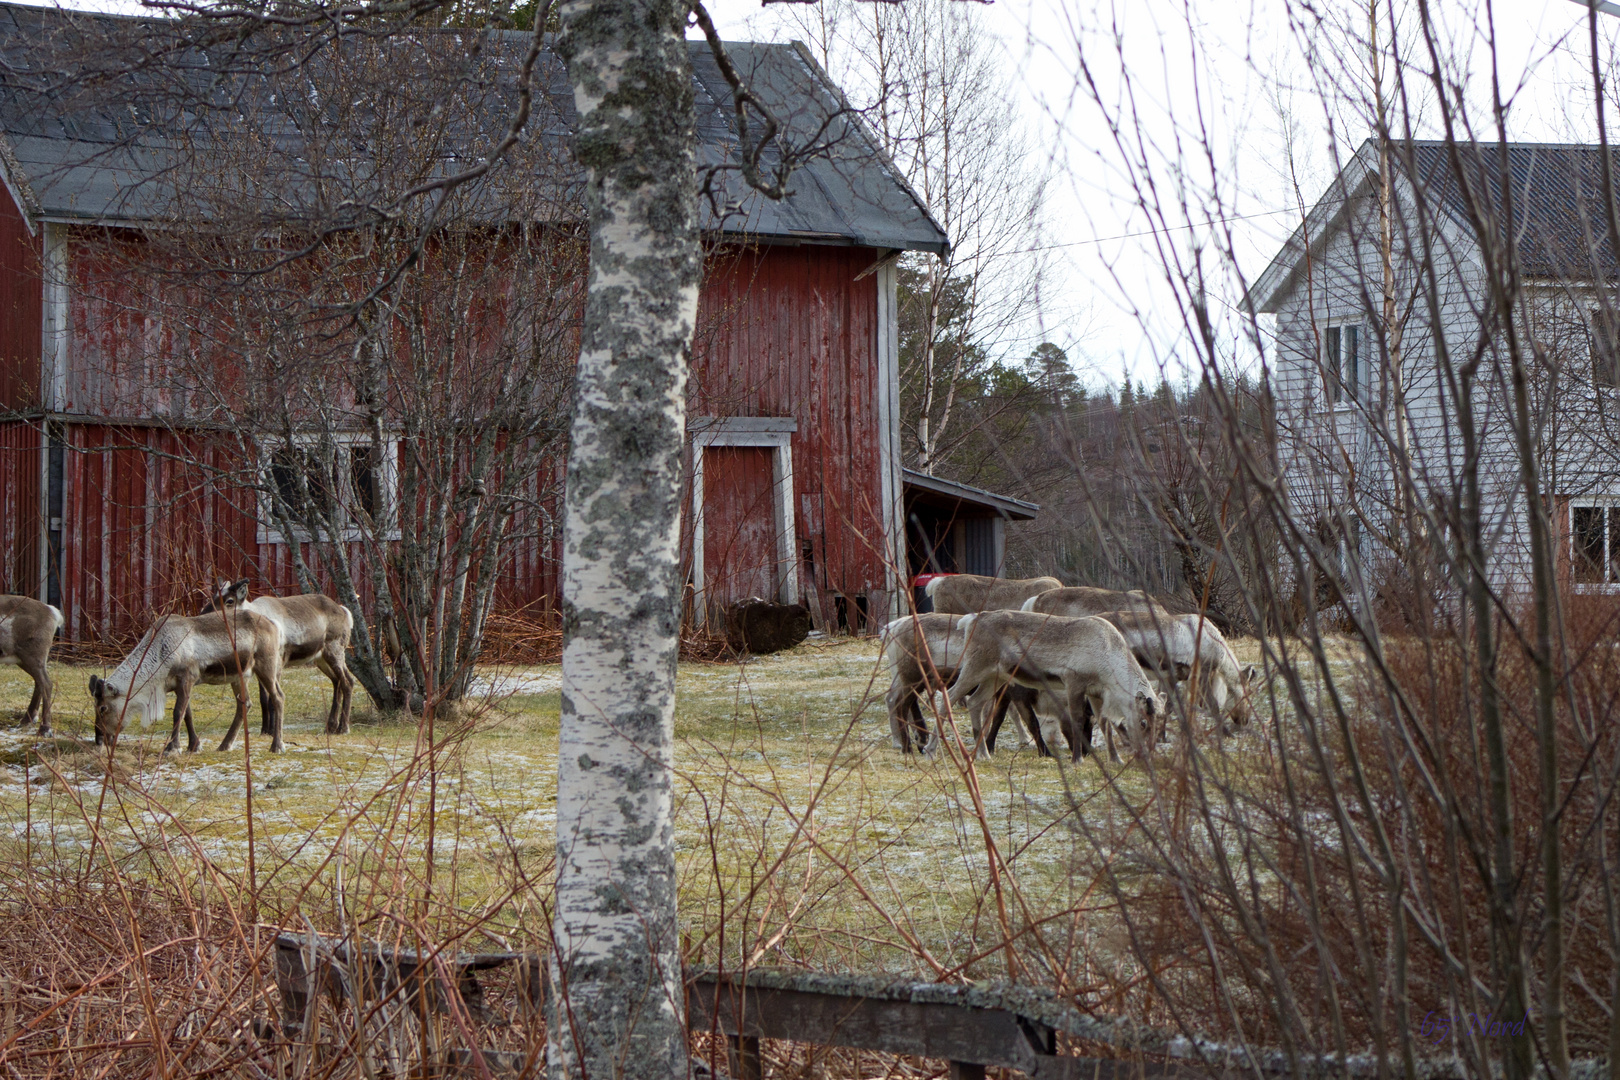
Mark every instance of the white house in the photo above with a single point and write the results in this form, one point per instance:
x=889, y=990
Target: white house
x=1346, y=349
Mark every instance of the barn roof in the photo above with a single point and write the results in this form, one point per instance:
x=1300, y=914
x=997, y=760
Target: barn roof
x=75, y=150
x=1553, y=190
x=965, y=499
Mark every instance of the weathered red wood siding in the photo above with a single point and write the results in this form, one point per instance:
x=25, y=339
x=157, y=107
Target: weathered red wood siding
x=21, y=308
x=20, y=450
x=151, y=520
x=783, y=332
x=788, y=331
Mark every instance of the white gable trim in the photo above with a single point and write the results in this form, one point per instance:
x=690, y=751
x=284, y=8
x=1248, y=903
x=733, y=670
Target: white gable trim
x=1355, y=181
x=1266, y=294
x=17, y=187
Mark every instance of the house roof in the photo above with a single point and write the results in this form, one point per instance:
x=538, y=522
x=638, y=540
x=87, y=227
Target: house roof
x=1550, y=192
x=955, y=496
x=113, y=147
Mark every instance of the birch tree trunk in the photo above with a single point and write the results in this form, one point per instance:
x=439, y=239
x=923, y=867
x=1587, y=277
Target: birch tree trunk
x=618, y=1003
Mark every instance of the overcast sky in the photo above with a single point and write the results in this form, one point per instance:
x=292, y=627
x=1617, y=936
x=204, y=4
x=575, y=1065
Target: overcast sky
x=1244, y=61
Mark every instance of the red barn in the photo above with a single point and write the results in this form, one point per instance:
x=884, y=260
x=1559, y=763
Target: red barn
x=797, y=489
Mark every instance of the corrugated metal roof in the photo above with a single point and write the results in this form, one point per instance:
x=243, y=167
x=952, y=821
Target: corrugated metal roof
x=116, y=148
x=1553, y=191
x=1005, y=505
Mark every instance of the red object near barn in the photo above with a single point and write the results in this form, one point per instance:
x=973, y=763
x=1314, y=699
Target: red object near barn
x=797, y=492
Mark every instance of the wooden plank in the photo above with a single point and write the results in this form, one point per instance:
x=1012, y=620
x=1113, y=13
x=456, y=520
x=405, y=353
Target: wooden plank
x=921, y=1029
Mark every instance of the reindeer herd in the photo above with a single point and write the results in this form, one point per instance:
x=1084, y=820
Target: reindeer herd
x=234, y=639
x=1062, y=658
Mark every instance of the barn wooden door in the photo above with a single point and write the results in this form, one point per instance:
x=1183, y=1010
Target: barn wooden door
x=739, y=525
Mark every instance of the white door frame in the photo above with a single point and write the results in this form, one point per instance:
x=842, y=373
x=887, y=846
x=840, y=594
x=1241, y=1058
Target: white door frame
x=775, y=432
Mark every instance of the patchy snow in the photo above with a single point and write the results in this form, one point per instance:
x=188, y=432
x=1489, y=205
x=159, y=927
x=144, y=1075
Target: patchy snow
x=500, y=684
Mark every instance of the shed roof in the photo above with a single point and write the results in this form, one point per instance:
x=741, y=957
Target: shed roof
x=957, y=496
x=1551, y=193
x=109, y=153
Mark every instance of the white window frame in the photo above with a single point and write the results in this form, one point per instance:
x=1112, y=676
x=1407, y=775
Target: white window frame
x=1595, y=339
x=775, y=432
x=388, y=474
x=1332, y=369
x=1610, y=505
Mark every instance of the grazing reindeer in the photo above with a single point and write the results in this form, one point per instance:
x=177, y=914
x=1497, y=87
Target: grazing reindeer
x=180, y=652
x=963, y=594
x=923, y=652
x=1082, y=600
x=1176, y=647
x=315, y=631
x=1086, y=661
x=27, y=631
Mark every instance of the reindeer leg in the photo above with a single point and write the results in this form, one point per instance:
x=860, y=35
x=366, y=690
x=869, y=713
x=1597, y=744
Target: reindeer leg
x=182, y=712
x=40, y=704
x=271, y=689
x=337, y=717
x=901, y=699
x=240, y=719
x=267, y=725
x=1069, y=716
x=919, y=725
x=341, y=665
x=1026, y=716
x=1003, y=703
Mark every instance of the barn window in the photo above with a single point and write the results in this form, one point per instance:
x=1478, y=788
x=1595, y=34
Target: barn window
x=1594, y=533
x=338, y=488
x=1343, y=363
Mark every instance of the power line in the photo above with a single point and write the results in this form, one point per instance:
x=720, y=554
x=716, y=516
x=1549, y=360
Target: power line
x=1173, y=228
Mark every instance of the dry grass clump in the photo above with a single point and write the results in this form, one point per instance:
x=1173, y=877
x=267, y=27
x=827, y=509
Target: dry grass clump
x=533, y=635
x=1328, y=892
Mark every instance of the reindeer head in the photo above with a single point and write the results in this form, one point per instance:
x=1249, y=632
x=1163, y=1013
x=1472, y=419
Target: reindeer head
x=227, y=594
x=109, y=709
x=114, y=703
x=1242, y=710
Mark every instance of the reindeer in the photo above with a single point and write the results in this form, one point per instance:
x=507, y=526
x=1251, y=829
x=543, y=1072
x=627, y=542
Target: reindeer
x=963, y=594
x=1086, y=661
x=315, y=631
x=922, y=652
x=27, y=631
x=1176, y=647
x=177, y=654
x=1079, y=601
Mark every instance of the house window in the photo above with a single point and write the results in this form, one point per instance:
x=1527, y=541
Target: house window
x=1594, y=533
x=333, y=489
x=1343, y=362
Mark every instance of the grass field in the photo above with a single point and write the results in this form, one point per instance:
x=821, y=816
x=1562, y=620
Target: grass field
x=803, y=837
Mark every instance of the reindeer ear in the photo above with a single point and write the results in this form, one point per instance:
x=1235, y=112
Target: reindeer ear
x=1250, y=673
x=239, y=591
x=95, y=686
